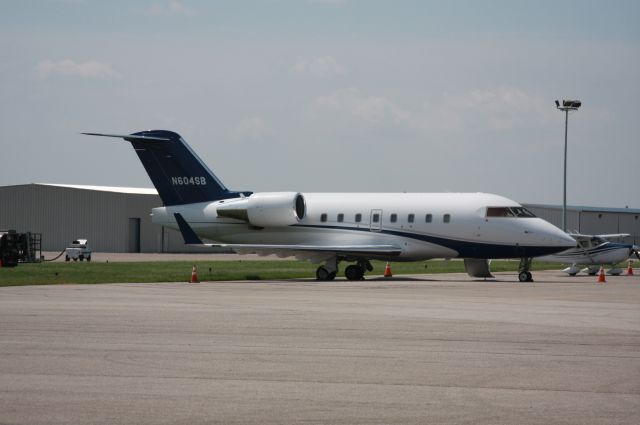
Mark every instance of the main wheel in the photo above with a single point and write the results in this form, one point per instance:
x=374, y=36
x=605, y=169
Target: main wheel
x=66, y=258
x=323, y=274
x=354, y=272
x=524, y=276
x=89, y=258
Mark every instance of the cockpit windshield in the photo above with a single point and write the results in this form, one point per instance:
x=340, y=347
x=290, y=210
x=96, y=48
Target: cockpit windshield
x=509, y=212
x=522, y=212
x=591, y=242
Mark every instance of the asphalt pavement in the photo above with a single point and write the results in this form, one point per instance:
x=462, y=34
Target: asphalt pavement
x=420, y=349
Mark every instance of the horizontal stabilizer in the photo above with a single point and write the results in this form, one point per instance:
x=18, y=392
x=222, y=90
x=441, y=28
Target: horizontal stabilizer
x=130, y=136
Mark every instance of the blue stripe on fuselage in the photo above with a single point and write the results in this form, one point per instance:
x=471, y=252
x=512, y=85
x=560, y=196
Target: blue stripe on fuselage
x=598, y=250
x=465, y=249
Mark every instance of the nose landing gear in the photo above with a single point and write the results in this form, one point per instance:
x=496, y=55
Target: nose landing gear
x=524, y=275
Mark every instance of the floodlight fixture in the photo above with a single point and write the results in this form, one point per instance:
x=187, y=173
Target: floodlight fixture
x=569, y=105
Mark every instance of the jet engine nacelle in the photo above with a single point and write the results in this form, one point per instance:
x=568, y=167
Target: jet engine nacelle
x=268, y=209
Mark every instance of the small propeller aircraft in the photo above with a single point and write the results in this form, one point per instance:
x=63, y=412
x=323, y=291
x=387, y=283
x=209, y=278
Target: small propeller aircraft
x=594, y=251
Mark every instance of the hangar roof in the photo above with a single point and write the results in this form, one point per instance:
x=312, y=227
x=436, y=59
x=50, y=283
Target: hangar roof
x=587, y=209
x=133, y=190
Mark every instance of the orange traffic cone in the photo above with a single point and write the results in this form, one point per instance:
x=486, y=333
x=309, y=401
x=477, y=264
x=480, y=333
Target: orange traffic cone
x=387, y=270
x=601, y=278
x=194, y=275
x=630, y=269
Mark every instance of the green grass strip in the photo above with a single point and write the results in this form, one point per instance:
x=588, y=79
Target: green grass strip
x=180, y=271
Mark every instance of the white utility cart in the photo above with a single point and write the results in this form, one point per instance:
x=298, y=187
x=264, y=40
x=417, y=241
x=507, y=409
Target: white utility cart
x=78, y=250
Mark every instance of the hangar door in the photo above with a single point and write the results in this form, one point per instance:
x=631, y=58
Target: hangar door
x=630, y=223
x=597, y=223
x=134, y=235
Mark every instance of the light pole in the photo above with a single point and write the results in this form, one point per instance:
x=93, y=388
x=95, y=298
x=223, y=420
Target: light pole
x=567, y=105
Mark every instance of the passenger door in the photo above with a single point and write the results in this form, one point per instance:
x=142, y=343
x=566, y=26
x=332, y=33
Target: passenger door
x=375, y=220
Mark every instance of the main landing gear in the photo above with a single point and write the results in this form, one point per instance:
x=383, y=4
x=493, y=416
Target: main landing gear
x=328, y=271
x=524, y=275
x=323, y=274
x=352, y=272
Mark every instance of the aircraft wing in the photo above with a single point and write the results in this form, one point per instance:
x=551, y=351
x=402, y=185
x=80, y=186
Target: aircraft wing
x=314, y=253
x=579, y=236
x=614, y=236
x=306, y=252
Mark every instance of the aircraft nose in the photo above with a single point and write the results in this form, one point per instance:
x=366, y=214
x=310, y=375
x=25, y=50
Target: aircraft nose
x=568, y=241
x=557, y=237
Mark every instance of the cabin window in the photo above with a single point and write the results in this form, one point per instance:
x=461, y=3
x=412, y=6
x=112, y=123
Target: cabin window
x=394, y=218
x=375, y=218
x=428, y=218
x=446, y=218
x=410, y=218
x=323, y=217
x=340, y=218
x=358, y=218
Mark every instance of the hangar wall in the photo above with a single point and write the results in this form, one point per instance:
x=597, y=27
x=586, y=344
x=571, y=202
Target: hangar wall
x=593, y=220
x=112, y=221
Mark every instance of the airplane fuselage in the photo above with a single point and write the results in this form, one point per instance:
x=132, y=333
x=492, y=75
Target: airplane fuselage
x=422, y=225
x=605, y=253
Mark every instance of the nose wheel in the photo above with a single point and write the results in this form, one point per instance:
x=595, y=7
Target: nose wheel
x=524, y=275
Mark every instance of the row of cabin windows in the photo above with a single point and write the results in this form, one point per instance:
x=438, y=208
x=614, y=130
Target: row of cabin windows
x=393, y=218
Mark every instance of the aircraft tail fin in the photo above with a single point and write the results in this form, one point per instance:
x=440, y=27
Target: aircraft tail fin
x=176, y=171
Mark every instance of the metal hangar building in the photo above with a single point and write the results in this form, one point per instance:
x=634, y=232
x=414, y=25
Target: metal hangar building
x=117, y=219
x=113, y=219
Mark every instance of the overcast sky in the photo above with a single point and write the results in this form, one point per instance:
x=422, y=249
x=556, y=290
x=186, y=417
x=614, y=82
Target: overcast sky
x=329, y=95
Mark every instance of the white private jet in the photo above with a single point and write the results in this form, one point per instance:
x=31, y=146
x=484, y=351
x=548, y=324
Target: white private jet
x=594, y=251
x=331, y=228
